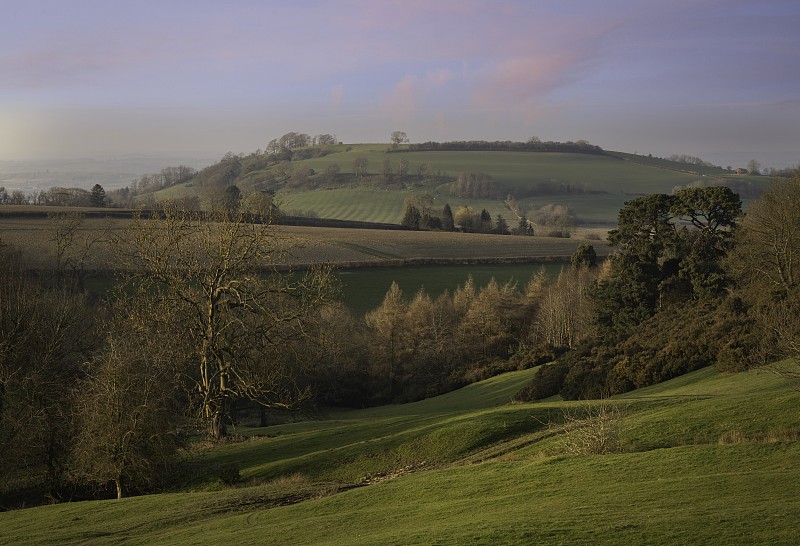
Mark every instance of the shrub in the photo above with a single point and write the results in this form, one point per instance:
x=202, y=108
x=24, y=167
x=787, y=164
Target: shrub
x=593, y=429
x=547, y=382
x=558, y=233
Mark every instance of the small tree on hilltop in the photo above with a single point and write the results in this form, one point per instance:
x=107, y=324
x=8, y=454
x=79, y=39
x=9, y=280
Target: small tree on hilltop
x=398, y=138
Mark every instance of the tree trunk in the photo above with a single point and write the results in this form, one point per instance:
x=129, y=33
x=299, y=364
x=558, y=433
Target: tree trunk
x=120, y=487
x=217, y=428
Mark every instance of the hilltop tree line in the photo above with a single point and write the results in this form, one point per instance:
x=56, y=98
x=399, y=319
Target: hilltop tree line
x=57, y=196
x=533, y=144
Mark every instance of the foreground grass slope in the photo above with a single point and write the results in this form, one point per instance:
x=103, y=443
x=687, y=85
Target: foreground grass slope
x=704, y=458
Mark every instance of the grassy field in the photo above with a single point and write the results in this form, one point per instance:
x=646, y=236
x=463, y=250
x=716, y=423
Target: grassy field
x=363, y=289
x=612, y=178
x=705, y=458
x=348, y=204
x=305, y=245
x=518, y=169
x=514, y=170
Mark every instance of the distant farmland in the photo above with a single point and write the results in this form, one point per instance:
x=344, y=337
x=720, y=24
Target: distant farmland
x=594, y=186
x=344, y=247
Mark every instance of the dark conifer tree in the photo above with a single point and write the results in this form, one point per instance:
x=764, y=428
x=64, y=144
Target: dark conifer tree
x=447, y=218
x=97, y=197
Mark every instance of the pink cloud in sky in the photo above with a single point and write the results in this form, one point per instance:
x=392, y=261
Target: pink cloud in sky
x=337, y=94
x=411, y=93
x=66, y=65
x=402, y=100
x=525, y=81
x=487, y=67
x=439, y=77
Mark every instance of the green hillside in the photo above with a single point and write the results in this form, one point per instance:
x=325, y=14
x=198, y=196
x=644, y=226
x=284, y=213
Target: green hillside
x=705, y=458
x=594, y=186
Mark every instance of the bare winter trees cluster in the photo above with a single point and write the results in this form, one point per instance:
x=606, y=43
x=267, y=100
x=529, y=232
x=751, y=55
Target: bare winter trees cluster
x=411, y=347
x=200, y=318
x=767, y=266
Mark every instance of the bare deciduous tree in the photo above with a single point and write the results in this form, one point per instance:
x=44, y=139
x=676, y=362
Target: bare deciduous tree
x=398, y=138
x=126, y=416
x=236, y=314
x=388, y=323
x=44, y=333
x=766, y=261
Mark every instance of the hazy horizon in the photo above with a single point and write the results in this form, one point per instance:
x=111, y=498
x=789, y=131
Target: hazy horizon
x=716, y=79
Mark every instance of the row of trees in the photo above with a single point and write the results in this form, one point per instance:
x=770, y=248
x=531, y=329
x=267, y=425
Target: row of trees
x=57, y=196
x=293, y=140
x=419, y=215
x=414, y=347
x=477, y=186
x=532, y=145
x=16, y=197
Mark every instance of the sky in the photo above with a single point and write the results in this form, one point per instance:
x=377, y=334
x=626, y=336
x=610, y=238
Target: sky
x=718, y=79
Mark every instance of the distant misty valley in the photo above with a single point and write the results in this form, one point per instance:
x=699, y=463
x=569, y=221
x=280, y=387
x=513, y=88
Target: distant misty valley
x=110, y=172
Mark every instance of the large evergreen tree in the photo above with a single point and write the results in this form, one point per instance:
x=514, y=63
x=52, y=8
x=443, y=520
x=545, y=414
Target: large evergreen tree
x=656, y=261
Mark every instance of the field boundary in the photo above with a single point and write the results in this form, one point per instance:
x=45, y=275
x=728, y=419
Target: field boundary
x=411, y=262
x=29, y=211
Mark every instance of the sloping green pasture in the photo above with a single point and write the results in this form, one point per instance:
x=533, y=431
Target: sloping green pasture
x=612, y=179
x=348, y=204
x=706, y=458
x=618, y=179
x=520, y=169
